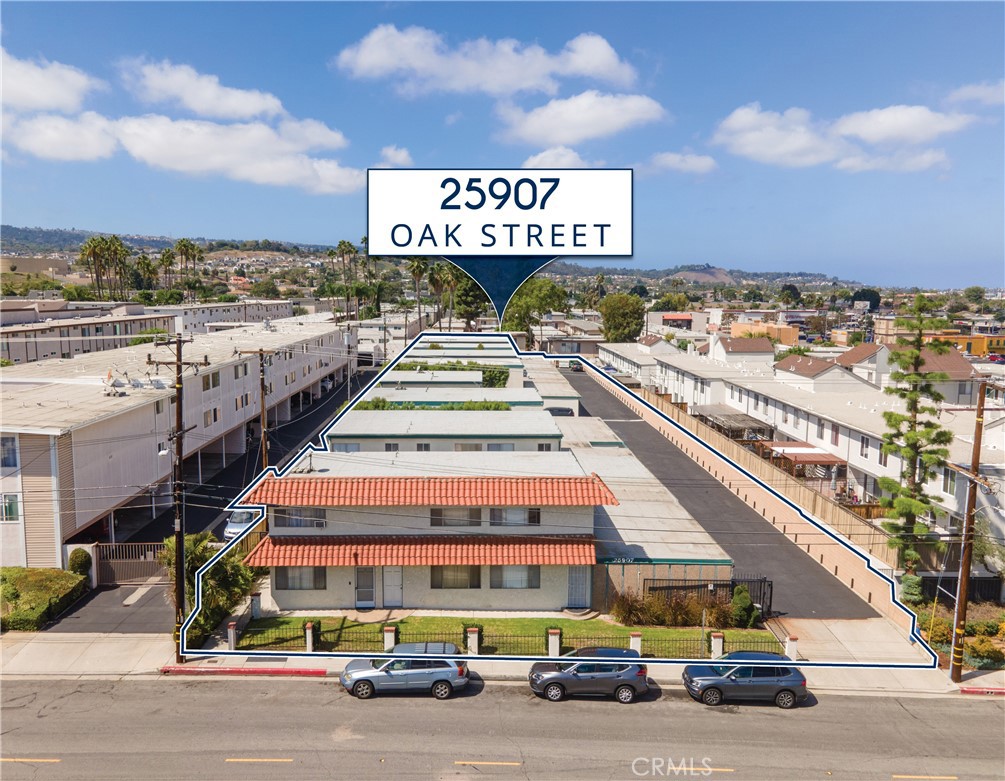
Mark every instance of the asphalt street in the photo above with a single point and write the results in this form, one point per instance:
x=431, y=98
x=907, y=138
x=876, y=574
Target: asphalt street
x=204, y=504
x=276, y=729
x=802, y=588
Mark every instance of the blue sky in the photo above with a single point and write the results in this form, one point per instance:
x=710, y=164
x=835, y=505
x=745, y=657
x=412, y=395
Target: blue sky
x=861, y=140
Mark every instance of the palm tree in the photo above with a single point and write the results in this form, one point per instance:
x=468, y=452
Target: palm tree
x=117, y=258
x=148, y=269
x=167, y=264
x=417, y=268
x=452, y=277
x=92, y=255
x=186, y=252
x=437, y=283
x=346, y=250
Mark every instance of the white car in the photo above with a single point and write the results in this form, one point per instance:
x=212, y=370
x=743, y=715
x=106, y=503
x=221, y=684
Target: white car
x=238, y=521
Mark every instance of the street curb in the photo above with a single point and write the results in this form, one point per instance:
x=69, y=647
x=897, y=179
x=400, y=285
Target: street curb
x=991, y=690
x=299, y=672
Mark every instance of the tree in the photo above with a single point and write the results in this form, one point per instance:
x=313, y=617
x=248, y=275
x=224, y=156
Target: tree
x=534, y=298
x=346, y=250
x=452, y=276
x=789, y=294
x=624, y=315
x=470, y=300
x=417, y=268
x=265, y=288
x=148, y=271
x=146, y=337
x=753, y=296
x=974, y=294
x=223, y=585
x=639, y=290
x=437, y=281
x=919, y=441
x=166, y=264
x=867, y=294
x=671, y=302
x=797, y=350
x=594, y=292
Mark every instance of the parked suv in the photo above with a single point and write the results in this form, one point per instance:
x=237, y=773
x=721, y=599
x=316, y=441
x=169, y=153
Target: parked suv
x=728, y=679
x=365, y=677
x=238, y=521
x=622, y=677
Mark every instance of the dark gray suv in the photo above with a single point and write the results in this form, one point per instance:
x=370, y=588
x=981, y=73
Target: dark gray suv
x=727, y=678
x=365, y=677
x=623, y=677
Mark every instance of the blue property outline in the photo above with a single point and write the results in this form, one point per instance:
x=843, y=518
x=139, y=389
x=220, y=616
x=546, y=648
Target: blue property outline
x=914, y=637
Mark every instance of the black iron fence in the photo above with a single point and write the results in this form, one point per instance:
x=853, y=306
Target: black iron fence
x=986, y=589
x=368, y=638
x=765, y=644
x=514, y=645
x=598, y=641
x=675, y=648
x=281, y=638
x=714, y=591
x=457, y=638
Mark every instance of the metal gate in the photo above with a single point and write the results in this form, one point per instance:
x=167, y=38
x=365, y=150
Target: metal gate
x=761, y=589
x=129, y=562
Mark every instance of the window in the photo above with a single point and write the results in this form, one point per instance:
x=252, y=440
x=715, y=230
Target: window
x=883, y=457
x=544, y=447
x=210, y=381
x=10, y=509
x=301, y=579
x=785, y=413
x=514, y=516
x=390, y=447
x=64, y=332
x=948, y=481
x=8, y=452
x=210, y=416
x=421, y=447
x=964, y=389
x=159, y=406
x=467, y=447
x=240, y=370
x=820, y=428
x=455, y=577
x=523, y=576
x=863, y=446
x=500, y=447
x=455, y=516
x=732, y=393
x=299, y=517
x=835, y=431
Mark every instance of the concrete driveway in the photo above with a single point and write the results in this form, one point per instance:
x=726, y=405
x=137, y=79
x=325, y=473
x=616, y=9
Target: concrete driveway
x=143, y=609
x=802, y=588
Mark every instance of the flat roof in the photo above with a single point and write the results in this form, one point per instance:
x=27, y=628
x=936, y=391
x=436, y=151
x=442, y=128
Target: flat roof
x=438, y=464
x=413, y=377
x=371, y=424
x=424, y=394
x=583, y=431
x=630, y=351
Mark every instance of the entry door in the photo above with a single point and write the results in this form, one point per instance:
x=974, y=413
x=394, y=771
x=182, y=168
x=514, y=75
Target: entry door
x=392, y=587
x=364, y=587
x=579, y=586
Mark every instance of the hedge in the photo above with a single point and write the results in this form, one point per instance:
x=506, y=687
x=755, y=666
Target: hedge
x=41, y=595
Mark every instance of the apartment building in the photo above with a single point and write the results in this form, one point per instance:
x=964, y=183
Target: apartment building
x=195, y=318
x=85, y=438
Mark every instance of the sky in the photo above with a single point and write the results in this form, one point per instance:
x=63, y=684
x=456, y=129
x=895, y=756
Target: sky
x=858, y=140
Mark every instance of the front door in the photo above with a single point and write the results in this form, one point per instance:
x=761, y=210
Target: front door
x=392, y=587
x=365, y=596
x=579, y=586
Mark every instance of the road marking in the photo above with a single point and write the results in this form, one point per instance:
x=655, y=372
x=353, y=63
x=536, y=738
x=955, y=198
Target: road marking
x=135, y=596
x=930, y=778
x=29, y=761
x=497, y=764
x=249, y=759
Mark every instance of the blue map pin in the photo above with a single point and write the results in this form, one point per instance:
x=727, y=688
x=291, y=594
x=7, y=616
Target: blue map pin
x=499, y=277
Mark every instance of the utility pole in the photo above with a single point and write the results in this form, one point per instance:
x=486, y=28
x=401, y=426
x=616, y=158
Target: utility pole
x=264, y=417
x=178, y=476
x=966, y=554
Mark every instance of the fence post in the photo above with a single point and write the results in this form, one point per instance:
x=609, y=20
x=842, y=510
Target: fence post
x=717, y=642
x=791, y=647
x=256, y=605
x=232, y=636
x=473, y=640
x=309, y=632
x=390, y=636
x=635, y=641
x=554, y=642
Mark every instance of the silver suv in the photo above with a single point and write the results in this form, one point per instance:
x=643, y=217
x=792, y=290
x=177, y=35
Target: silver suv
x=623, y=677
x=365, y=677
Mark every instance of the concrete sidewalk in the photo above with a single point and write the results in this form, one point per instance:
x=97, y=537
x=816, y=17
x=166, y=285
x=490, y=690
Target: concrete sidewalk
x=69, y=655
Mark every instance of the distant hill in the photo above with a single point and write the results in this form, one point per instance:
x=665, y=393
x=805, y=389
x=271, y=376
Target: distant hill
x=702, y=274
x=32, y=241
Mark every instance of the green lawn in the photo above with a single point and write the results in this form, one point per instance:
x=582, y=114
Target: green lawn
x=503, y=635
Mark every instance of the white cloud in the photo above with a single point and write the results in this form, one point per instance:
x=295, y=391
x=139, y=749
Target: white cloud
x=51, y=137
x=790, y=139
x=421, y=61
x=903, y=162
x=559, y=157
x=590, y=114
x=452, y=119
x=395, y=157
x=43, y=85
x=200, y=93
x=304, y=134
x=900, y=124
x=686, y=163
x=248, y=152
x=985, y=93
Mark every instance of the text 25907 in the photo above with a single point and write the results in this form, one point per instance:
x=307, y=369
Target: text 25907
x=526, y=193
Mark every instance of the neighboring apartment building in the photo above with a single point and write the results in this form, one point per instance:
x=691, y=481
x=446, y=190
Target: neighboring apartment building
x=84, y=438
x=195, y=318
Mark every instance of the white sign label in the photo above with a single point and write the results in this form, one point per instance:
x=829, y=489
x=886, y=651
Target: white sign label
x=499, y=212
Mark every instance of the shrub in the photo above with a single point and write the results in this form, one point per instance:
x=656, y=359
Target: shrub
x=720, y=615
x=627, y=608
x=38, y=595
x=910, y=590
x=744, y=612
x=79, y=562
x=1001, y=630
x=941, y=632
x=985, y=648
x=982, y=628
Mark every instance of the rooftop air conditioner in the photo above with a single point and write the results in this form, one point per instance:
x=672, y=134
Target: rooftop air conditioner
x=320, y=524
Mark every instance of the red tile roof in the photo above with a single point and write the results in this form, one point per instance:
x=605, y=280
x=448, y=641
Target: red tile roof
x=421, y=551
x=438, y=491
